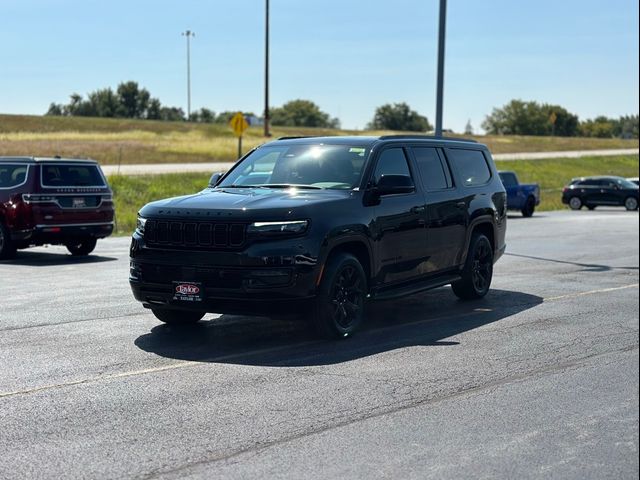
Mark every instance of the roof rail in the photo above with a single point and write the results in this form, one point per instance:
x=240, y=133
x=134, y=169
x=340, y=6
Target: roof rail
x=430, y=137
x=296, y=136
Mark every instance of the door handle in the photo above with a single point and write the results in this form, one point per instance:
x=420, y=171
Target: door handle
x=420, y=209
x=461, y=204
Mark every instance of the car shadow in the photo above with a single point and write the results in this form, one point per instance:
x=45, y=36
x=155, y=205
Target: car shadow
x=516, y=216
x=427, y=320
x=587, y=267
x=48, y=259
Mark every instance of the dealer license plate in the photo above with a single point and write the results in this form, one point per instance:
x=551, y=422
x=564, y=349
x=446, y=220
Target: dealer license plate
x=187, y=292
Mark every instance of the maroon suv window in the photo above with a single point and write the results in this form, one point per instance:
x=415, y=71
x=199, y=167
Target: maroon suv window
x=12, y=175
x=57, y=175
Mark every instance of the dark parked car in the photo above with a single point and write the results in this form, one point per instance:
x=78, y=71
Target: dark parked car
x=53, y=201
x=634, y=180
x=600, y=191
x=321, y=225
x=520, y=196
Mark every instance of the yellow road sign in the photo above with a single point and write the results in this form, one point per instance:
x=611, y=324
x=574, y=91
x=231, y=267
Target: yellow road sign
x=239, y=124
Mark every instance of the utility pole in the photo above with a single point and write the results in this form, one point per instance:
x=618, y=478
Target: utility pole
x=440, y=81
x=267, y=133
x=188, y=34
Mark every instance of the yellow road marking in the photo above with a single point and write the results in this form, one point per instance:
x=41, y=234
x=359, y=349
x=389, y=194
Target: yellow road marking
x=193, y=363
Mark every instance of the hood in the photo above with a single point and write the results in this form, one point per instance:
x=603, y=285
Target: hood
x=250, y=203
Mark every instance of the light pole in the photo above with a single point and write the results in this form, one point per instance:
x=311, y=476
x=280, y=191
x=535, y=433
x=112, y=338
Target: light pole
x=188, y=34
x=440, y=81
x=267, y=133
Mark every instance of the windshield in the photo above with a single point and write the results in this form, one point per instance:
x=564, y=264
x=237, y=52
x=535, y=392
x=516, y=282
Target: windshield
x=318, y=166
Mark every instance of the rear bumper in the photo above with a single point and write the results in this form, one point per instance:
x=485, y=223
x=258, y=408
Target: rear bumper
x=61, y=233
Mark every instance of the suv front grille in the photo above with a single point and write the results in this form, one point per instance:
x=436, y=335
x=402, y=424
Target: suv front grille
x=194, y=234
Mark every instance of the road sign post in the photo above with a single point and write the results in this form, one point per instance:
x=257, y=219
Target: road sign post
x=239, y=124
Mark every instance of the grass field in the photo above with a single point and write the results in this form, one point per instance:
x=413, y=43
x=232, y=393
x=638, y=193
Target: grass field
x=113, y=141
x=131, y=193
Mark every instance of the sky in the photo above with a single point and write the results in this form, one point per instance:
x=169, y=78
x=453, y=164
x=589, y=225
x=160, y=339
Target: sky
x=347, y=56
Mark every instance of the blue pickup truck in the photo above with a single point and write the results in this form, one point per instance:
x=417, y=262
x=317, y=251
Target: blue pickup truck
x=520, y=196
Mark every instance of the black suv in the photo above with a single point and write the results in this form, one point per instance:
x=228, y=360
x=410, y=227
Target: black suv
x=600, y=191
x=319, y=226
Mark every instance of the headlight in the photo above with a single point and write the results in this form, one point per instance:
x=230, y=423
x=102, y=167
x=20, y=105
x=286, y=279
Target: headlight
x=140, y=223
x=277, y=228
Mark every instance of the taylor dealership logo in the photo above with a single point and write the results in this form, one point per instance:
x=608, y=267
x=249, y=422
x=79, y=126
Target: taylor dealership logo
x=186, y=289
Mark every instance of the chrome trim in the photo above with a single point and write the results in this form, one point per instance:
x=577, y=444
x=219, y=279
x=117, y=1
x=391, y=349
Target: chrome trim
x=104, y=180
x=26, y=175
x=55, y=202
x=76, y=225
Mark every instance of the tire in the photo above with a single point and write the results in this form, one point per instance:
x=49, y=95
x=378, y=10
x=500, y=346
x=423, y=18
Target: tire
x=575, y=203
x=478, y=270
x=177, y=317
x=82, y=247
x=7, y=248
x=339, y=306
x=631, y=203
x=529, y=207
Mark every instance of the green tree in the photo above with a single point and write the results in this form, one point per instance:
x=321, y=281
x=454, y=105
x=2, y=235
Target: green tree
x=133, y=100
x=154, y=110
x=103, y=103
x=302, y=113
x=172, y=114
x=55, y=109
x=399, y=116
x=531, y=118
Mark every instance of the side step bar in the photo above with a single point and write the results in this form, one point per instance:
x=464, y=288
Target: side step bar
x=404, y=290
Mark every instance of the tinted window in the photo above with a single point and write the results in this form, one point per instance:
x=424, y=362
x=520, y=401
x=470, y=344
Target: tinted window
x=431, y=171
x=12, y=175
x=392, y=161
x=508, y=179
x=56, y=175
x=591, y=183
x=471, y=166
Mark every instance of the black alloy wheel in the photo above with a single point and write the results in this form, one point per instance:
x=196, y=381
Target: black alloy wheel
x=341, y=298
x=7, y=249
x=529, y=207
x=82, y=247
x=478, y=270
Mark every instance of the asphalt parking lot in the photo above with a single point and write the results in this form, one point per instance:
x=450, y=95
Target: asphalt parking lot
x=540, y=379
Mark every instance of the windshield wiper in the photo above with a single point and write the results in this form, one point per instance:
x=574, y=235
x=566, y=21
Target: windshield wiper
x=239, y=186
x=289, y=185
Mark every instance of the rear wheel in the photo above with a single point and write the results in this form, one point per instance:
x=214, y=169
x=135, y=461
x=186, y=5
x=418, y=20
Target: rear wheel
x=575, y=203
x=341, y=297
x=478, y=270
x=631, y=203
x=177, y=317
x=82, y=247
x=7, y=248
x=529, y=207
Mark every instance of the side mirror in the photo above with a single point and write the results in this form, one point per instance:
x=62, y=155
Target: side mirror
x=394, y=185
x=215, y=178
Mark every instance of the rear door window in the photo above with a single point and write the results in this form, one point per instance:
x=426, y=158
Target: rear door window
x=12, y=175
x=392, y=161
x=57, y=175
x=471, y=166
x=432, y=172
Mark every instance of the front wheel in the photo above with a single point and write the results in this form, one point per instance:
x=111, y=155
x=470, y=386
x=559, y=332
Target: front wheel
x=631, y=203
x=529, y=207
x=82, y=247
x=7, y=248
x=177, y=317
x=341, y=297
x=478, y=270
x=575, y=203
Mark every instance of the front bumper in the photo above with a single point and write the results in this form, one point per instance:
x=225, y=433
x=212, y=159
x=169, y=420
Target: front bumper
x=264, y=278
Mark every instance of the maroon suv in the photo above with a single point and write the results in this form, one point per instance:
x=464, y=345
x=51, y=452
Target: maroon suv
x=53, y=201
